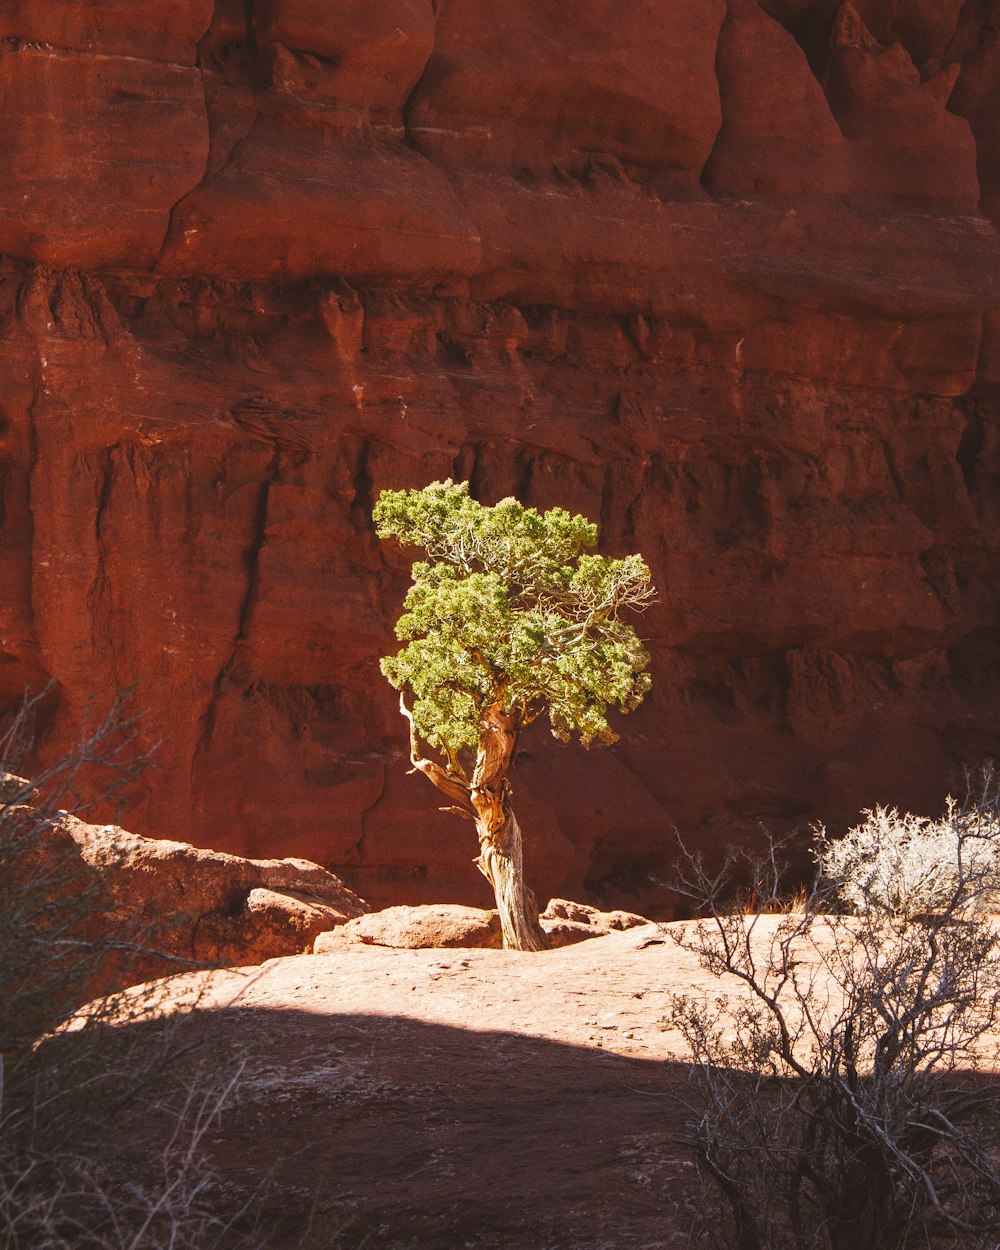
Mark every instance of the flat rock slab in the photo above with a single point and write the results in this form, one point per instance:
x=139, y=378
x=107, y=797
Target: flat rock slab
x=479, y=1098
x=470, y=1099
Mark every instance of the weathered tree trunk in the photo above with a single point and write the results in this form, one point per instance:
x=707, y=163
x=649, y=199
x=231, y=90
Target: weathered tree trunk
x=487, y=802
x=500, y=863
x=500, y=855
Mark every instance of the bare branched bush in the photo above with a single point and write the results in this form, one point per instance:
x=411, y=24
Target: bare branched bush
x=103, y=1135
x=51, y=949
x=103, y=1121
x=843, y=1092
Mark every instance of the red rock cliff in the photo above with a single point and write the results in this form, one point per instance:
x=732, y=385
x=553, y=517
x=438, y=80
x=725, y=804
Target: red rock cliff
x=723, y=275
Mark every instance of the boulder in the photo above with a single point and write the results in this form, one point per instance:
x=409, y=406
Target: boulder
x=159, y=906
x=561, y=909
x=270, y=922
x=448, y=925
x=566, y=922
x=430, y=925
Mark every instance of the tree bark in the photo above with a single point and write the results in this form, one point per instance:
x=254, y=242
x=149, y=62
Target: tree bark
x=500, y=850
x=500, y=863
x=487, y=802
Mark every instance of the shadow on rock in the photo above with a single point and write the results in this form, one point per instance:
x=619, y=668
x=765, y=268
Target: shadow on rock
x=402, y=1131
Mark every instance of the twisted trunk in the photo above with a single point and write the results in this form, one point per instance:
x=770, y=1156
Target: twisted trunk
x=500, y=854
x=500, y=863
x=486, y=801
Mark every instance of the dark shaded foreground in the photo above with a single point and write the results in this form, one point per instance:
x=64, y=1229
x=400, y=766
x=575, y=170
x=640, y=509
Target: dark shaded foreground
x=372, y=1130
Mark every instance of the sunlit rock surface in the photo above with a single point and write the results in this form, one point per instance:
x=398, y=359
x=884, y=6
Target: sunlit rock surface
x=722, y=276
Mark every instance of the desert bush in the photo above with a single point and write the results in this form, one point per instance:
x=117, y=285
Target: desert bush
x=103, y=1133
x=103, y=1121
x=49, y=948
x=843, y=1092
x=896, y=863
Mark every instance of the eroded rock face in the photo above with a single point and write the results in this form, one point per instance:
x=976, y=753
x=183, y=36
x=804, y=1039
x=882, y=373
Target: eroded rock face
x=162, y=906
x=534, y=88
x=100, y=148
x=722, y=276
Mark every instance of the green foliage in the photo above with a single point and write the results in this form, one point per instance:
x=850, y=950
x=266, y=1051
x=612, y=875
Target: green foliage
x=509, y=610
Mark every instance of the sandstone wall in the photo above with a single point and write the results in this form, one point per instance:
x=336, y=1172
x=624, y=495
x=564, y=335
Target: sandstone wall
x=722, y=275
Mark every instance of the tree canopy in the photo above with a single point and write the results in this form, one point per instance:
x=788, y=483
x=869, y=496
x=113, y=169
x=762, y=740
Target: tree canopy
x=510, y=611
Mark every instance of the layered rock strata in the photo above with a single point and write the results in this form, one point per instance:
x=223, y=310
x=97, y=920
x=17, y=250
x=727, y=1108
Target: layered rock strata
x=722, y=276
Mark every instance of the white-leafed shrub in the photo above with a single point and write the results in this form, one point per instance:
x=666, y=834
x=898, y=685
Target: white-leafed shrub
x=897, y=864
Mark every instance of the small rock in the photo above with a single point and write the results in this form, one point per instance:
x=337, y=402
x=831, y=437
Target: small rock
x=566, y=932
x=15, y=789
x=440, y=925
x=582, y=913
x=563, y=909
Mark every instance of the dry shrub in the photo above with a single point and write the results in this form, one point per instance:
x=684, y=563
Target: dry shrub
x=102, y=1123
x=844, y=1094
x=102, y=1137
x=107, y=1101
x=895, y=863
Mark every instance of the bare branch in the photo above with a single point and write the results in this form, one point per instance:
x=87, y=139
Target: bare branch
x=455, y=787
x=874, y=1134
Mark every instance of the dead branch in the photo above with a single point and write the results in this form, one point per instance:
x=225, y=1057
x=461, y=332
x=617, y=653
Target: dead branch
x=446, y=781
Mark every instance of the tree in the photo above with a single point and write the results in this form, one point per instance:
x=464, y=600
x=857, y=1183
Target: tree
x=508, y=619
